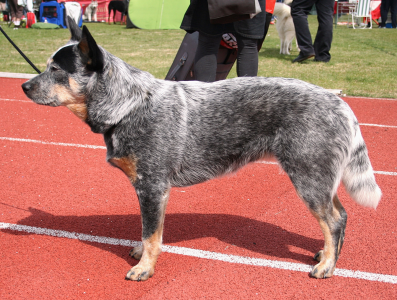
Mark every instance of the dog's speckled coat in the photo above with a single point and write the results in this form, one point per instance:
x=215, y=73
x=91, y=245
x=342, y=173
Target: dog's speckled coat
x=163, y=134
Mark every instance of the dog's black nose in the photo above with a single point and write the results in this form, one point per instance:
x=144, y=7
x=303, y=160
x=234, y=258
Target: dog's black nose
x=26, y=87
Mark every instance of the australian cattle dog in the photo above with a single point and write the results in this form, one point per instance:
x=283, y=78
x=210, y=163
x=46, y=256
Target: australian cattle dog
x=165, y=134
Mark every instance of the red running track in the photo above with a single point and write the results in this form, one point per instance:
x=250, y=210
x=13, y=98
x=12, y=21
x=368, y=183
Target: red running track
x=71, y=188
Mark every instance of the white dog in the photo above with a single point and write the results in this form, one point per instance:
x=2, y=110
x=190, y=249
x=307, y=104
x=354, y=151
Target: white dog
x=90, y=11
x=285, y=27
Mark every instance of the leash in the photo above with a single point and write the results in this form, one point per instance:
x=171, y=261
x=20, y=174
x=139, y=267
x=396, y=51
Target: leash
x=20, y=52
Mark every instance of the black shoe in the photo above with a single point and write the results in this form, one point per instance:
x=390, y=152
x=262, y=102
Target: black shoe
x=319, y=60
x=301, y=57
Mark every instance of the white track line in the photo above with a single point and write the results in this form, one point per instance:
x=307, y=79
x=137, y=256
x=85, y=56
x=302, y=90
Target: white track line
x=52, y=143
x=376, y=172
x=200, y=253
x=377, y=125
x=18, y=100
x=104, y=148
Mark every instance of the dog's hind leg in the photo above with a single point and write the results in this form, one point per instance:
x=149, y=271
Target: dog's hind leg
x=316, y=185
x=332, y=220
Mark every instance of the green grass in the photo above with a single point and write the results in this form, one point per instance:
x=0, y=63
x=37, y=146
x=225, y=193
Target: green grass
x=363, y=63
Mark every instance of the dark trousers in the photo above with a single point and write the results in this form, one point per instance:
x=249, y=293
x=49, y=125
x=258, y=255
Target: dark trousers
x=322, y=43
x=205, y=61
x=384, y=10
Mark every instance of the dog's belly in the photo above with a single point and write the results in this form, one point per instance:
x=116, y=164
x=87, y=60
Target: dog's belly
x=201, y=170
x=191, y=177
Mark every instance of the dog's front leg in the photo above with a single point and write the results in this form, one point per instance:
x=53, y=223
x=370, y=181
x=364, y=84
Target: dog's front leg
x=153, y=203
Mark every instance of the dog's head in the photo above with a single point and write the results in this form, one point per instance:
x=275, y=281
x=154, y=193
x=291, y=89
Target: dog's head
x=98, y=87
x=62, y=81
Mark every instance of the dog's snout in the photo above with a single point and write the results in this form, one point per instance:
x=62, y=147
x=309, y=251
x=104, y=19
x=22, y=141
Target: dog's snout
x=26, y=87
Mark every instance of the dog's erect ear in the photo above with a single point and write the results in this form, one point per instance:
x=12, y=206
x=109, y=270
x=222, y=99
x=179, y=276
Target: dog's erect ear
x=91, y=54
x=74, y=29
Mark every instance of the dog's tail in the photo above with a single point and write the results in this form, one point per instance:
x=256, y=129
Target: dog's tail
x=358, y=176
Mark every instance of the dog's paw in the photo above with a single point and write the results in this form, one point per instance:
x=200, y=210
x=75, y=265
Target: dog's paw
x=140, y=273
x=136, y=252
x=324, y=269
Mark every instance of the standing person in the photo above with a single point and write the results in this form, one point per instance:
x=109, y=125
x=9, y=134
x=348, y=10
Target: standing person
x=16, y=12
x=269, y=15
x=247, y=32
x=322, y=44
x=384, y=10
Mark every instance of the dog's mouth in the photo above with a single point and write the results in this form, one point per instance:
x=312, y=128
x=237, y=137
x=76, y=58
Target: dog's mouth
x=37, y=97
x=43, y=102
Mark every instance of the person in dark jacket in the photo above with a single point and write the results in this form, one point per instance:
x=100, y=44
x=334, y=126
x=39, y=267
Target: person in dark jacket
x=247, y=32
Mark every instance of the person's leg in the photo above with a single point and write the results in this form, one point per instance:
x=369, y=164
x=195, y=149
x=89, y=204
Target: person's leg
x=322, y=43
x=13, y=4
x=247, y=58
x=393, y=8
x=299, y=11
x=18, y=15
x=384, y=10
x=267, y=24
x=205, y=61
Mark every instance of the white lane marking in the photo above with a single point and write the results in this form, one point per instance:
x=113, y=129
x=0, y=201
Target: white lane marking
x=376, y=172
x=18, y=100
x=52, y=143
x=199, y=253
x=386, y=173
x=104, y=148
x=377, y=125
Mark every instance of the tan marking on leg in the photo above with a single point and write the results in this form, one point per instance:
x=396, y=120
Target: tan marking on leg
x=127, y=165
x=327, y=260
x=151, y=248
x=329, y=251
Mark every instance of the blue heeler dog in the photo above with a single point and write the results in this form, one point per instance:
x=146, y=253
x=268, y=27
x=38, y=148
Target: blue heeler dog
x=163, y=134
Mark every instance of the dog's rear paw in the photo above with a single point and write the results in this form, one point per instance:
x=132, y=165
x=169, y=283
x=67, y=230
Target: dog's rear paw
x=136, y=252
x=139, y=273
x=324, y=269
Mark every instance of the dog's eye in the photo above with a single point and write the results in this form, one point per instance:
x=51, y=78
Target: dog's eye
x=54, y=68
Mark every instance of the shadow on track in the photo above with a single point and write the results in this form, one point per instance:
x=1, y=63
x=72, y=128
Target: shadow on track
x=253, y=235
